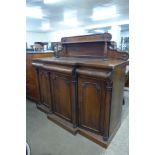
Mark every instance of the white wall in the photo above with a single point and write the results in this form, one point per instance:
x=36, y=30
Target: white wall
x=32, y=37
x=125, y=34
x=56, y=36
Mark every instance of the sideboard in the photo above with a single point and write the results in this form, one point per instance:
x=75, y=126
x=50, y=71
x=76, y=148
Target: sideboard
x=81, y=89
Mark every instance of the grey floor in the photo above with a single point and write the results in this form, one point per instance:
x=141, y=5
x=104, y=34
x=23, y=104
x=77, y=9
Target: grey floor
x=46, y=138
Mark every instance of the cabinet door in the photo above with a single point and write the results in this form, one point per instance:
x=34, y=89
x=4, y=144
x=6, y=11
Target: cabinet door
x=44, y=85
x=90, y=102
x=62, y=96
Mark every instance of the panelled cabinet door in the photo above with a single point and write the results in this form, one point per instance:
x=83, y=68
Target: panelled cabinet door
x=61, y=87
x=90, y=102
x=44, y=84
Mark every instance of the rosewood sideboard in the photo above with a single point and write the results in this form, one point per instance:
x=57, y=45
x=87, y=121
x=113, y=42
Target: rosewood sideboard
x=82, y=88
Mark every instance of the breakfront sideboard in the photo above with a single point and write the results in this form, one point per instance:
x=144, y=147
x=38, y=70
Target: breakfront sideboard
x=81, y=89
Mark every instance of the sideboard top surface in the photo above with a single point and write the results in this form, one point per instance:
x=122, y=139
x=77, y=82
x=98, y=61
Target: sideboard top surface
x=93, y=62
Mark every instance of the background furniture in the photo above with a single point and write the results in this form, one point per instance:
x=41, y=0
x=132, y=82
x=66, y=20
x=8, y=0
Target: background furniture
x=31, y=90
x=82, y=89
